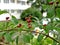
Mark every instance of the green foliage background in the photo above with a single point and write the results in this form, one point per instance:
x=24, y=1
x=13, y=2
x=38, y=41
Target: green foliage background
x=24, y=35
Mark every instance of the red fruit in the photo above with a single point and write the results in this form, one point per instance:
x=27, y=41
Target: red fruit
x=29, y=21
x=44, y=25
x=19, y=25
x=51, y=3
x=57, y=2
x=7, y=18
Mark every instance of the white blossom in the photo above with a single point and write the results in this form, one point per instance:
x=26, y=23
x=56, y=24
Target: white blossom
x=45, y=22
x=44, y=14
x=39, y=30
x=56, y=18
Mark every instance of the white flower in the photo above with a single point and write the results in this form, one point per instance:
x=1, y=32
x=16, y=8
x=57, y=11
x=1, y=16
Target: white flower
x=56, y=18
x=55, y=31
x=37, y=31
x=37, y=28
x=45, y=22
x=44, y=14
x=36, y=34
x=52, y=33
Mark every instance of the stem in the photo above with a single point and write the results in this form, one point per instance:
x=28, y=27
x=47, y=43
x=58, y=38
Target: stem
x=51, y=38
x=16, y=29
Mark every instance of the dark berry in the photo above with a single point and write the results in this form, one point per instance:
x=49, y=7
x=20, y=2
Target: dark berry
x=27, y=2
x=57, y=2
x=7, y=18
x=51, y=3
x=44, y=25
x=29, y=21
x=19, y=25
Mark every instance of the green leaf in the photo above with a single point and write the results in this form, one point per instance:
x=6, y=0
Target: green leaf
x=31, y=11
x=14, y=20
x=58, y=12
x=48, y=1
x=3, y=11
x=6, y=24
x=49, y=41
x=17, y=40
x=8, y=37
x=34, y=42
x=40, y=37
x=45, y=6
x=54, y=43
x=27, y=38
x=50, y=12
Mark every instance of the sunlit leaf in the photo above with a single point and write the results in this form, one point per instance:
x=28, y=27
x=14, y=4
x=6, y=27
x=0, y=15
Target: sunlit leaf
x=3, y=11
x=14, y=20
x=8, y=37
x=17, y=40
x=58, y=12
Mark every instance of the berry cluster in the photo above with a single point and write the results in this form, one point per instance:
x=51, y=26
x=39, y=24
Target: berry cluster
x=28, y=19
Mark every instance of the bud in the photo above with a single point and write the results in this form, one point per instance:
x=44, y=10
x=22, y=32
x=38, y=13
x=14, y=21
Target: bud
x=19, y=25
x=57, y=2
x=29, y=21
x=44, y=25
x=51, y=3
x=7, y=18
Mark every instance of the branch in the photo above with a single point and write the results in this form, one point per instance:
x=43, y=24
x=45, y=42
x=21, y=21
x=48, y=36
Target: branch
x=51, y=38
x=16, y=29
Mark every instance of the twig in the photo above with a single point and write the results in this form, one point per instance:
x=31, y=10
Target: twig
x=51, y=38
x=16, y=29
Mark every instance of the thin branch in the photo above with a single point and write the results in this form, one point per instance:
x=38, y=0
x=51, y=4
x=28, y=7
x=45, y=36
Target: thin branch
x=57, y=24
x=51, y=38
x=16, y=29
